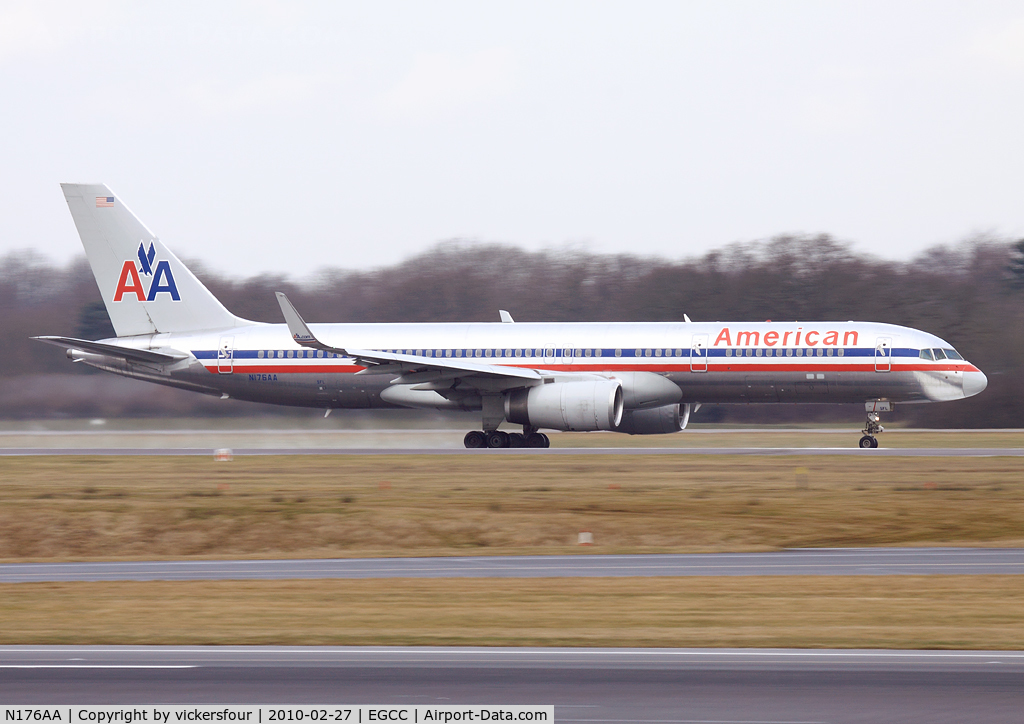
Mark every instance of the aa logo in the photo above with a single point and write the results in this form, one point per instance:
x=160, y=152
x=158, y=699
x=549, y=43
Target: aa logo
x=131, y=283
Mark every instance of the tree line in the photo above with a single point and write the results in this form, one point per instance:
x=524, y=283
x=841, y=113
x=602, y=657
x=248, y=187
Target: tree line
x=971, y=294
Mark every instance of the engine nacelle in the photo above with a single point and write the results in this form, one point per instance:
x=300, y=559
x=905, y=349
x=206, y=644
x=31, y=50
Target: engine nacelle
x=643, y=390
x=656, y=421
x=581, y=406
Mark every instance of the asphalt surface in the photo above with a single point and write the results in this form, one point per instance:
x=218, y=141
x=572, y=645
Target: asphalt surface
x=804, y=562
x=755, y=451
x=592, y=686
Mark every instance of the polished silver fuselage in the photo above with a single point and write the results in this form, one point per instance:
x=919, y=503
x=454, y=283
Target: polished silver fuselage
x=824, y=362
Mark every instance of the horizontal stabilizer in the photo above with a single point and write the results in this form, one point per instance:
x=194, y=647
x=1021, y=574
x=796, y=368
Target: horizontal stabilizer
x=113, y=350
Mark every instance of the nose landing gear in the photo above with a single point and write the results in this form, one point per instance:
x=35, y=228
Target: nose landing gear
x=871, y=428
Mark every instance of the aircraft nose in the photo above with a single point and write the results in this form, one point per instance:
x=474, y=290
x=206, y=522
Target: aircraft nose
x=974, y=382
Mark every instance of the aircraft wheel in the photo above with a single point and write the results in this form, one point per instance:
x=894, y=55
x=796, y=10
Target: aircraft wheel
x=547, y=440
x=497, y=438
x=474, y=439
x=516, y=439
x=867, y=442
x=536, y=439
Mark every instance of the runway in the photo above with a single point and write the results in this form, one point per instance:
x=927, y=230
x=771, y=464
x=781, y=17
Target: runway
x=592, y=686
x=803, y=562
x=742, y=451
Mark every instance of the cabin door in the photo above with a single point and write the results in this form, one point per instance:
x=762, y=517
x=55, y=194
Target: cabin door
x=699, y=353
x=883, y=354
x=226, y=355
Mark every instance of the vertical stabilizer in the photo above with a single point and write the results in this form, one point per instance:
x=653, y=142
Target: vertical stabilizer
x=145, y=287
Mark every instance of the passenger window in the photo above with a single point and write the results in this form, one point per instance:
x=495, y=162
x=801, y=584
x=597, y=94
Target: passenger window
x=789, y=353
x=728, y=353
x=260, y=354
x=840, y=352
x=319, y=353
x=821, y=352
x=618, y=352
x=657, y=353
x=939, y=354
x=598, y=352
x=757, y=352
x=828, y=352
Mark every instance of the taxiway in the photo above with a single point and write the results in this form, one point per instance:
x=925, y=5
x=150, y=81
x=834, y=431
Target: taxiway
x=591, y=686
x=801, y=562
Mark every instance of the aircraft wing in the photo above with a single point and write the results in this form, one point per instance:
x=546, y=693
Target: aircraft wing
x=113, y=350
x=389, y=362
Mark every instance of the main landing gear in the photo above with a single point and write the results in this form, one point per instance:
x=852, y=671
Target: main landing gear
x=500, y=438
x=871, y=428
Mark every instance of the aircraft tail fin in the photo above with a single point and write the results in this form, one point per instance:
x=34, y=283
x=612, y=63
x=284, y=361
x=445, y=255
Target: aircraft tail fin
x=145, y=288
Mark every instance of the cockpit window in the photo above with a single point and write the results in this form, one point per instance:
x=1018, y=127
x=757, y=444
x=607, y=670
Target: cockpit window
x=926, y=354
x=939, y=354
x=952, y=354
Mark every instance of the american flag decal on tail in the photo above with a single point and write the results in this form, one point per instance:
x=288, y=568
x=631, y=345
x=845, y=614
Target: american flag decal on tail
x=103, y=201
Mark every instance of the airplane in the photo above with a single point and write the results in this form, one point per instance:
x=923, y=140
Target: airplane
x=638, y=378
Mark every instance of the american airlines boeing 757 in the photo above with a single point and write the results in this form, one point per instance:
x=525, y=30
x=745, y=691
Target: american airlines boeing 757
x=639, y=378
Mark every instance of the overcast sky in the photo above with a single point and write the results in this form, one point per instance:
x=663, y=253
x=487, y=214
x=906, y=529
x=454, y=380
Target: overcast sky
x=285, y=137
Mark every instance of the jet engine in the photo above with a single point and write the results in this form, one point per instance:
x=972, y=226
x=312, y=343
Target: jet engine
x=655, y=421
x=584, y=405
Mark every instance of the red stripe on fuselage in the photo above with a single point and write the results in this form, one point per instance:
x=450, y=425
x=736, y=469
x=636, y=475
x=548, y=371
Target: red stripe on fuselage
x=735, y=367
x=240, y=369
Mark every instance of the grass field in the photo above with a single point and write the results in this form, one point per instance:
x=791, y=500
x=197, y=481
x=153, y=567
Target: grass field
x=95, y=508
x=947, y=612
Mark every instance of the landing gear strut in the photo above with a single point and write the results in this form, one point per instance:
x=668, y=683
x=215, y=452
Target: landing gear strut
x=500, y=439
x=871, y=428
